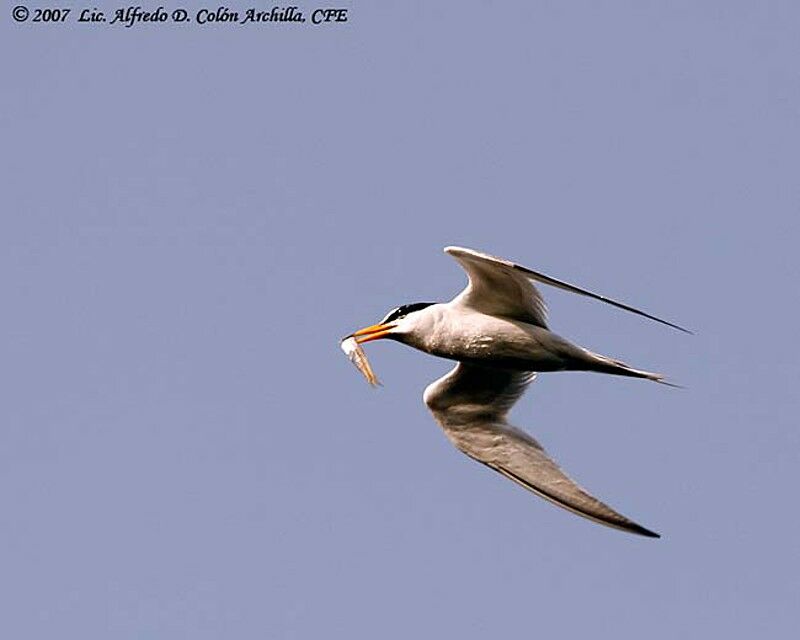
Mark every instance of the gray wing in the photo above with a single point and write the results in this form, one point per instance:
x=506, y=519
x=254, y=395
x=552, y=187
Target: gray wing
x=501, y=287
x=470, y=403
x=496, y=288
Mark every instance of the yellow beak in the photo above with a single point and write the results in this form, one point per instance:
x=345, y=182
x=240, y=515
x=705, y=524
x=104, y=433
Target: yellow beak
x=373, y=332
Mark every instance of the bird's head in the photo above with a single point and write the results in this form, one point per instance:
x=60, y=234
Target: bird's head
x=399, y=322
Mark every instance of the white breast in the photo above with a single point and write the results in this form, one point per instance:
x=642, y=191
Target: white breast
x=462, y=334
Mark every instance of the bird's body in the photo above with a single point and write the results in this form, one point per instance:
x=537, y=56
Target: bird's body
x=476, y=337
x=497, y=331
x=448, y=331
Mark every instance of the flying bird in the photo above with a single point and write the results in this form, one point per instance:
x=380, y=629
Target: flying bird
x=496, y=330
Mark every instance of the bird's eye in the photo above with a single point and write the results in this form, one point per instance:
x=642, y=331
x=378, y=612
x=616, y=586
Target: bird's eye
x=394, y=314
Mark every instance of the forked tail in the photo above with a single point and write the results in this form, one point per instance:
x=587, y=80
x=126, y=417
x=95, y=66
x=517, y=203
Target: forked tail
x=602, y=364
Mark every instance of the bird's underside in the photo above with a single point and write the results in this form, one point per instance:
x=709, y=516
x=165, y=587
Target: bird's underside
x=497, y=330
x=471, y=403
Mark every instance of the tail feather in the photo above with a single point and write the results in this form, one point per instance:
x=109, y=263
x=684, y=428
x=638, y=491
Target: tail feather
x=602, y=364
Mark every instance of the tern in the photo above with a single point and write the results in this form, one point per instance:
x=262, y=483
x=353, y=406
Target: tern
x=496, y=330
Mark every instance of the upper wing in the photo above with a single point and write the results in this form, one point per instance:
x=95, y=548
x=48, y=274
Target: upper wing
x=471, y=403
x=501, y=287
x=496, y=287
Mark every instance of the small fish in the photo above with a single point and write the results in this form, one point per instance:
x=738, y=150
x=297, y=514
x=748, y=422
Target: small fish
x=359, y=359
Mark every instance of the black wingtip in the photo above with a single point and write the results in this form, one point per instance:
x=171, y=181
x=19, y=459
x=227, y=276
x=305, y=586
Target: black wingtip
x=679, y=328
x=667, y=383
x=647, y=315
x=640, y=530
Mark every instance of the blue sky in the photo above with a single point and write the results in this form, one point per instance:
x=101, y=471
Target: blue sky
x=193, y=217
